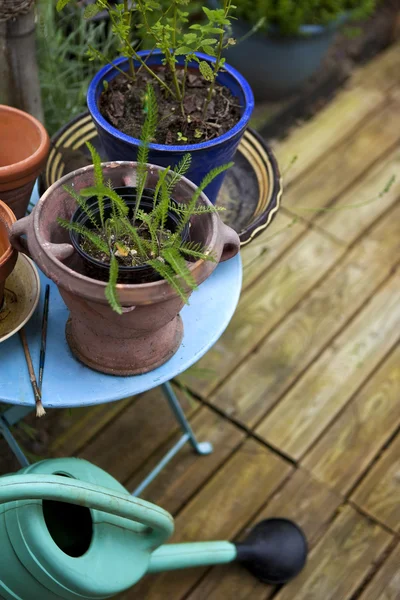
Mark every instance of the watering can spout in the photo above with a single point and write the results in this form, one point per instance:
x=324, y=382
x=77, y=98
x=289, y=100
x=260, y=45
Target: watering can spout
x=197, y=554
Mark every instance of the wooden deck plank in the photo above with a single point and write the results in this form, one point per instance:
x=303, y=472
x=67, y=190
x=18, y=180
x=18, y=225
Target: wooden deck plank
x=188, y=471
x=257, y=384
x=379, y=493
x=303, y=499
x=346, y=225
x=263, y=305
x=122, y=447
x=258, y=256
x=366, y=93
x=314, y=401
x=340, y=561
x=386, y=583
x=345, y=451
x=219, y=511
x=338, y=169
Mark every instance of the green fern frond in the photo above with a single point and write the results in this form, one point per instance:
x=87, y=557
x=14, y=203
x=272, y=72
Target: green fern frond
x=179, y=171
x=86, y=233
x=81, y=202
x=196, y=251
x=182, y=209
x=166, y=272
x=117, y=202
x=147, y=134
x=111, y=288
x=98, y=178
x=146, y=218
x=161, y=178
x=179, y=266
x=96, y=160
x=137, y=240
x=191, y=206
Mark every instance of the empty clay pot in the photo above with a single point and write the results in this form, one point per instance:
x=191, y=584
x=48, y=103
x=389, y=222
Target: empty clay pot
x=8, y=256
x=24, y=146
x=150, y=329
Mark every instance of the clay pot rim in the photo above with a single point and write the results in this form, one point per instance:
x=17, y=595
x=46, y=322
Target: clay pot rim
x=33, y=163
x=161, y=287
x=12, y=219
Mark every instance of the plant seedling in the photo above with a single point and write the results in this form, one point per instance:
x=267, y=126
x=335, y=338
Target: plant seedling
x=142, y=238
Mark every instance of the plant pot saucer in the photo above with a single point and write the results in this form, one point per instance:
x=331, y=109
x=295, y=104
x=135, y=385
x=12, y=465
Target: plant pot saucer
x=251, y=191
x=21, y=297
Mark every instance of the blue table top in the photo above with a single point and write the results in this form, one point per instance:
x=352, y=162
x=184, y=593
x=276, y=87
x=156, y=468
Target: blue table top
x=68, y=383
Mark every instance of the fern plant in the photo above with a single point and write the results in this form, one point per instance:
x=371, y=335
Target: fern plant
x=141, y=238
x=165, y=25
x=289, y=15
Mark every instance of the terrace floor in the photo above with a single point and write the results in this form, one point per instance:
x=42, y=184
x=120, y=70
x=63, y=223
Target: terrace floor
x=300, y=397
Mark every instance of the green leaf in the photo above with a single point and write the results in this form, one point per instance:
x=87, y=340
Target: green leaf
x=166, y=272
x=147, y=134
x=81, y=202
x=210, y=51
x=87, y=233
x=180, y=170
x=179, y=265
x=62, y=4
x=111, y=288
x=209, y=41
x=206, y=71
x=91, y=11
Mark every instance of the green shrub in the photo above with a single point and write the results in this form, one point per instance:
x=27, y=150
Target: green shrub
x=289, y=15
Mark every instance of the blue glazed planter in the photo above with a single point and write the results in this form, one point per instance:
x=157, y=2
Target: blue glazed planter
x=205, y=155
x=275, y=65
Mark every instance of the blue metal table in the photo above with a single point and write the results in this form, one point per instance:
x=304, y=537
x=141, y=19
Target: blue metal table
x=68, y=383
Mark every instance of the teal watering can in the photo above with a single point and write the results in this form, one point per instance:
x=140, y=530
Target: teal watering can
x=69, y=530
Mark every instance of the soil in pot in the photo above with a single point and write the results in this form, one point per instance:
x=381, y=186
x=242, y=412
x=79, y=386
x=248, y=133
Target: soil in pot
x=132, y=268
x=122, y=105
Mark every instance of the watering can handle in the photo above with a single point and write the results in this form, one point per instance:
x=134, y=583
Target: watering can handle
x=73, y=491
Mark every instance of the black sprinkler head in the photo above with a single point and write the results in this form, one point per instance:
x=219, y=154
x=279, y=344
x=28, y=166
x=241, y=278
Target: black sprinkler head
x=275, y=551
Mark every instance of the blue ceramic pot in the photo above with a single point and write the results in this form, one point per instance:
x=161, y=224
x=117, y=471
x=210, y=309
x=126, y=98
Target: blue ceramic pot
x=205, y=155
x=276, y=65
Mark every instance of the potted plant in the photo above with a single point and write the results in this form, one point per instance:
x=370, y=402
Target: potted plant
x=8, y=256
x=281, y=43
x=205, y=105
x=124, y=268
x=23, y=151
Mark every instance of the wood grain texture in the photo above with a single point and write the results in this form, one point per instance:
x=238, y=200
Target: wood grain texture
x=345, y=163
x=257, y=384
x=340, y=561
x=335, y=376
x=263, y=305
x=346, y=225
x=222, y=508
x=351, y=443
x=303, y=499
x=188, y=471
x=365, y=94
x=258, y=256
x=379, y=493
x=137, y=432
x=386, y=583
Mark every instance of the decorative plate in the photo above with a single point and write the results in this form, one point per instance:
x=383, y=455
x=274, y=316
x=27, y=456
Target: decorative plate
x=21, y=296
x=251, y=191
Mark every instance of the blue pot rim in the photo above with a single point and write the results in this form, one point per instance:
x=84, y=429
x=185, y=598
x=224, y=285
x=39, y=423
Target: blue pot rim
x=102, y=122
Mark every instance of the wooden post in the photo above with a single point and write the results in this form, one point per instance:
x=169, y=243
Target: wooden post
x=20, y=85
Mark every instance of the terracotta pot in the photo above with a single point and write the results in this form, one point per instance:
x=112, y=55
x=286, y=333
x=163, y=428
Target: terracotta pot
x=150, y=329
x=8, y=256
x=23, y=152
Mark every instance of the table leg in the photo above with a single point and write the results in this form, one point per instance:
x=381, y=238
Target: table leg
x=202, y=448
x=11, y=441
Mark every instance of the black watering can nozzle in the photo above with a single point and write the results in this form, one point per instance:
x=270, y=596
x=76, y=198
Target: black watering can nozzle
x=274, y=551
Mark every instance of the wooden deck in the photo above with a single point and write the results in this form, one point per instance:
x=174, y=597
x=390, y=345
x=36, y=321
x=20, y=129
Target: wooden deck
x=300, y=397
